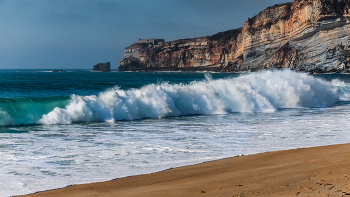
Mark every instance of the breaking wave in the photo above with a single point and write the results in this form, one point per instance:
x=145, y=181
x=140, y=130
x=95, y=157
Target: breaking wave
x=265, y=91
x=17, y=111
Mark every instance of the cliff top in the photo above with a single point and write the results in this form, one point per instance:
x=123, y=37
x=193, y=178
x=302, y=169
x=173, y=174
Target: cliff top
x=266, y=18
x=279, y=5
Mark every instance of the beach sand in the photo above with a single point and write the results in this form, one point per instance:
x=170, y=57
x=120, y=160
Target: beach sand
x=319, y=171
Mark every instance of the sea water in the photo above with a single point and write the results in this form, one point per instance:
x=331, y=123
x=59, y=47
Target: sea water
x=59, y=129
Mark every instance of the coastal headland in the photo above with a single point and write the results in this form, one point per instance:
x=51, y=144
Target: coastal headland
x=319, y=171
x=304, y=35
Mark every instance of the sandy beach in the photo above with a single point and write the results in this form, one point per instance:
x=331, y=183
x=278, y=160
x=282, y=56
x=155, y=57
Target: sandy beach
x=318, y=171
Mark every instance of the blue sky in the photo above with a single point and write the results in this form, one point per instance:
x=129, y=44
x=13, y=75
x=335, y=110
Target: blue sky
x=77, y=34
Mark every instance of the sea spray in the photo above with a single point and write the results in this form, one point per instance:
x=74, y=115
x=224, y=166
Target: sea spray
x=343, y=89
x=265, y=91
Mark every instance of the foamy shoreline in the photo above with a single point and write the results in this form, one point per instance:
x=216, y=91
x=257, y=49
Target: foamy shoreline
x=313, y=171
x=81, y=139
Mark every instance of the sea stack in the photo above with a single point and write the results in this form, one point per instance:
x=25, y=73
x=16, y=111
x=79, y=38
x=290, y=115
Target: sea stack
x=304, y=35
x=103, y=67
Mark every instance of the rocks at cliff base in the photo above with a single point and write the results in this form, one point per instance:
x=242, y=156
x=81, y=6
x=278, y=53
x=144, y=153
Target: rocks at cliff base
x=103, y=67
x=306, y=35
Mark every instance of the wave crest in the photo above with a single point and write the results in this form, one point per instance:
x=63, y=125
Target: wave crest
x=17, y=111
x=265, y=91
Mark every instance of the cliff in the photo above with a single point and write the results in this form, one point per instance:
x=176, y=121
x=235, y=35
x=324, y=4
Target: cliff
x=306, y=35
x=104, y=67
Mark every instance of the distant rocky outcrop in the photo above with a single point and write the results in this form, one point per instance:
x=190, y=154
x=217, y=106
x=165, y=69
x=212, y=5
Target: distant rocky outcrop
x=58, y=71
x=104, y=67
x=306, y=35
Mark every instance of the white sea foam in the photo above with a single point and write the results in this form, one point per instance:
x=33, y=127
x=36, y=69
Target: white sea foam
x=342, y=89
x=53, y=156
x=41, y=157
x=266, y=91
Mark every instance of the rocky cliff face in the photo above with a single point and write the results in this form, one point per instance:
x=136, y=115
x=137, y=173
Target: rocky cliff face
x=104, y=67
x=306, y=35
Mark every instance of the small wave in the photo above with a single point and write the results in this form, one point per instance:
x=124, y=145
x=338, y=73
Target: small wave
x=265, y=91
x=17, y=111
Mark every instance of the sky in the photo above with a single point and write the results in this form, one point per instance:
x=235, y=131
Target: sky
x=77, y=34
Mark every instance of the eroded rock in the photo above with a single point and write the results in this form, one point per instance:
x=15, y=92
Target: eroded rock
x=306, y=35
x=104, y=67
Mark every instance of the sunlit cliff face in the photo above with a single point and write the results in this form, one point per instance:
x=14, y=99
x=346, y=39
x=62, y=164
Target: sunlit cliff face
x=306, y=35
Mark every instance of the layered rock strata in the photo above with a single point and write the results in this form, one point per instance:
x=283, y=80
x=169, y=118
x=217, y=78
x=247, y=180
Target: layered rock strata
x=103, y=67
x=306, y=35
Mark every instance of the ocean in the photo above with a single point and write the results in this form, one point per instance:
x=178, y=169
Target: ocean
x=64, y=128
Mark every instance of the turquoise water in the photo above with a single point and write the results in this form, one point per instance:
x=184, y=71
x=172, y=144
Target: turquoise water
x=29, y=94
x=73, y=127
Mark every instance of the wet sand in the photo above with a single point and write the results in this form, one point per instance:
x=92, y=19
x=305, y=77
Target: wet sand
x=319, y=171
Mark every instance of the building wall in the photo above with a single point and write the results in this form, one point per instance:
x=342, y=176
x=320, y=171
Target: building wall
x=152, y=40
x=131, y=53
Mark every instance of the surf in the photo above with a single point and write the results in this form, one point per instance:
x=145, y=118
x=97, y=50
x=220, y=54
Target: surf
x=265, y=92
x=24, y=111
